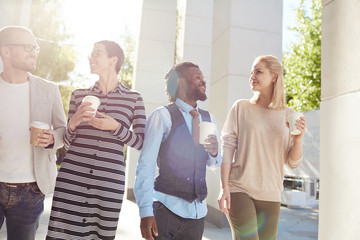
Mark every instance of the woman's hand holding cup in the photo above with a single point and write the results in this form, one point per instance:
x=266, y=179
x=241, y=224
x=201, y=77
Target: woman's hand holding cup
x=83, y=114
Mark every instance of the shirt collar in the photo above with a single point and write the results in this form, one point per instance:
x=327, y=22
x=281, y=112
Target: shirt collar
x=184, y=106
x=30, y=76
x=95, y=88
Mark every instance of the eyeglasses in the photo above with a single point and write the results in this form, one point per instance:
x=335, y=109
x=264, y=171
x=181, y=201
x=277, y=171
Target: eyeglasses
x=27, y=47
x=95, y=53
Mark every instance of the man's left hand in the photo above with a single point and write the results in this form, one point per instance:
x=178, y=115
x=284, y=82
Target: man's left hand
x=211, y=145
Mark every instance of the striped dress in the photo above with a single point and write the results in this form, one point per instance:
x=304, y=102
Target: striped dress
x=90, y=184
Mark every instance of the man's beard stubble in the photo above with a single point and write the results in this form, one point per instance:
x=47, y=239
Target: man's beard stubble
x=196, y=94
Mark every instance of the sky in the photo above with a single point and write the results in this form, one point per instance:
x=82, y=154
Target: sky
x=100, y=19
x=108, y=19
x=94, y=20
x=289, y=20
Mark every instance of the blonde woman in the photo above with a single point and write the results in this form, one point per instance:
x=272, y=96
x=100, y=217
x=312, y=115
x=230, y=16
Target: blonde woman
x=256, y=143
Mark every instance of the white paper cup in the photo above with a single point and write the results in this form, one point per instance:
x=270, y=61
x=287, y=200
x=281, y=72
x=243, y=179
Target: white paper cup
x=35, y=128
x=95, y=102
x=292, y=118
x=206, y=128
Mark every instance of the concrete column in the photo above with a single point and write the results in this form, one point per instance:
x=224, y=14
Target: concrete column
x=194, y=43
x=242, y=30
x=15, y=12
x=155, y=55
x=194, y=36
x=340, y=117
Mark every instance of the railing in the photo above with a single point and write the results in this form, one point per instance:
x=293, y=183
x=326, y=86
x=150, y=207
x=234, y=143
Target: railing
x=302, y=184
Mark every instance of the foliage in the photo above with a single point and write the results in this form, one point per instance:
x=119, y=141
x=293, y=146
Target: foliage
x=302, y=64
x=66, y=91
x=128, y=46
x=56, y=59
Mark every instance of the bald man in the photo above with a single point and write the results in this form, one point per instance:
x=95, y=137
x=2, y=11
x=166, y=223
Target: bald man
x=27, y=172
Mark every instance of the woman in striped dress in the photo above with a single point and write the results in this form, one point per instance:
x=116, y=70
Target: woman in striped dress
x=90, y=184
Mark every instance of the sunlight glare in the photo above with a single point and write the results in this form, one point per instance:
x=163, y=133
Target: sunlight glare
x=93, y=20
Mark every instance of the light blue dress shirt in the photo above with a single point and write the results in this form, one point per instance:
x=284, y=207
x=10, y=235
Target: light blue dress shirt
x=157, y=130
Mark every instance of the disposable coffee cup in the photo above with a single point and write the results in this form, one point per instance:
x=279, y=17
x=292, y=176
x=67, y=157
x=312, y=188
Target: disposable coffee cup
x=206, y=128
x=292, y=118
x=95, y=103
x=35, y=128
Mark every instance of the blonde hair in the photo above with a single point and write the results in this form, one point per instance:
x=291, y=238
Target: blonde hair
x=274, y=66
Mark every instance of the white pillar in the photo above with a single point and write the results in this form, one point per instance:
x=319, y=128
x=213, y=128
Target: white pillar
x=155, y=55
x=340, y=118
x=15, y=12
x=194, y=36
x=194, y=43
x=242, y=30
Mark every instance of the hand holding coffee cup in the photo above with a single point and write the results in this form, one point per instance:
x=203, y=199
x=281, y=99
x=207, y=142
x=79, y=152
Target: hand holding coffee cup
x=95, y=102
x=85, y=112
x=208, y=138
x=206, y=129
x=292, y=119
x=39, y=134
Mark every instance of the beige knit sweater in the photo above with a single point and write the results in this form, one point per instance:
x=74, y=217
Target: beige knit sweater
x=257, y=142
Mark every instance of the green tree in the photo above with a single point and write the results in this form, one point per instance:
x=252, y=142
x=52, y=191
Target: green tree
x=56, y=59
x=128, y=46
x=302, y=64
x=65, y=91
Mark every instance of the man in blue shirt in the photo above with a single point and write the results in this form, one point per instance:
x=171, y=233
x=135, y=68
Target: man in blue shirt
x=174, y=206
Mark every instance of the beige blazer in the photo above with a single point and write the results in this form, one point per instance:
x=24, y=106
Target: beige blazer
x=46, y=106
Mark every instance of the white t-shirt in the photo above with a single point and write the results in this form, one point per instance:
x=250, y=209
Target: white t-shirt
x=16, y=158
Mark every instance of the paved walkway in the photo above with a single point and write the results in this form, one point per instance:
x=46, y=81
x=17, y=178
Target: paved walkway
x=295, y=224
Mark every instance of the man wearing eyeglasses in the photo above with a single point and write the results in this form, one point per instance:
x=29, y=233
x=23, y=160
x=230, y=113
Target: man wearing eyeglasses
x=27, y=172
